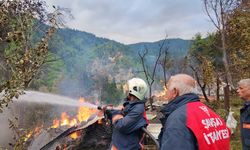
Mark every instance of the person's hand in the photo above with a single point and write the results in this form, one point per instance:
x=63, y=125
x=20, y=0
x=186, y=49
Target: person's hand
x=100, y=114
x=111, y=113
x=119, y=107
x=116, y=117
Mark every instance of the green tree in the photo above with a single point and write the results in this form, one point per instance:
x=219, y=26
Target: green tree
x=111, y=94
x=22, y=59
x=238, y=32
x=201, y=62
x=219, y=13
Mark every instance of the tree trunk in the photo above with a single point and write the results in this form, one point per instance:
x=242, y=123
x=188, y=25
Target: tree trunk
x=150, y=98
x=226, y=98
x=228, y=77
x=209, y=91
x=217, y=88
x=203, y=89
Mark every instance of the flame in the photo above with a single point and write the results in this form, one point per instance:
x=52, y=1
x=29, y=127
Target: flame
x=162, y=93
x=28, y=135
x=74, y=135
x=83, y=114
x=35, y=132
x=56, y=123
x=64, y=119
x=99, y=121
x=73, y=122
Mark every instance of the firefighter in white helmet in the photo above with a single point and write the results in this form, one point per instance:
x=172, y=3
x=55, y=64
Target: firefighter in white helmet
x=128, y=122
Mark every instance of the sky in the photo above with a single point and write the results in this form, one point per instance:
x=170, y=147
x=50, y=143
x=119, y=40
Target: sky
x=133, y=21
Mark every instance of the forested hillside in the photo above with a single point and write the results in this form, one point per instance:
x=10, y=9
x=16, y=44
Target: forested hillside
x=80, y=60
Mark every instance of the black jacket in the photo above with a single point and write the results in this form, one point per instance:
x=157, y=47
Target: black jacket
x=245, y=126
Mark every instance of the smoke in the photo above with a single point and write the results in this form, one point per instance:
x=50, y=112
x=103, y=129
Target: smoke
x=6, y=135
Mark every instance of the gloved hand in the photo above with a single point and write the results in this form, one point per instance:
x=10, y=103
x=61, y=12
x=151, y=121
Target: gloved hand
x=111, y=112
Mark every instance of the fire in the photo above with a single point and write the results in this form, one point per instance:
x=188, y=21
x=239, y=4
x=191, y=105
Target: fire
x=83, y=114
x=64, y=119
x=99, y=121
x=74, y=135
x=162, y=93
x=73, y=122
x=56, y=123
x=35, y=132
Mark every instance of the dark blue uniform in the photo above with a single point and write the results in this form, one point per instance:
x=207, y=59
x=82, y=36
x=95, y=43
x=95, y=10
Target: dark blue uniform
x=245, y=126
x=127, y=131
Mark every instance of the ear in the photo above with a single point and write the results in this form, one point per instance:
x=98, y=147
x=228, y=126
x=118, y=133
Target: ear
x=175, y=92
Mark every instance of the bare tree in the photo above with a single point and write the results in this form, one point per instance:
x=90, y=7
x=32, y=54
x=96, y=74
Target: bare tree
x=203, y=71
x=150, y=76
x=202, y=85
x=165, y=63
x=219, y=11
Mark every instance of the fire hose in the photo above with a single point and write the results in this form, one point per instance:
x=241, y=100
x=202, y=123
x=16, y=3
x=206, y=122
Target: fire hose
x=93, y=118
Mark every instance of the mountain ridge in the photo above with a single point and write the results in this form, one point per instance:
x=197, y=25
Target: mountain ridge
x=86, y=58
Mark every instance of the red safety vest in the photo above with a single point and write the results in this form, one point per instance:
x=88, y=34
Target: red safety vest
x=209, y=129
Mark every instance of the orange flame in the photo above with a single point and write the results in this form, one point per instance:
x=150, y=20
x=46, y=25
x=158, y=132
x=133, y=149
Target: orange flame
x=35, y=132
x=64, y=119
x=74, y=135
x=56, y=123
x=83, y=114
x=162, y=93
x=99, y=121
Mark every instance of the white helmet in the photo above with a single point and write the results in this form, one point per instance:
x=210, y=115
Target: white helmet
x=137, y=87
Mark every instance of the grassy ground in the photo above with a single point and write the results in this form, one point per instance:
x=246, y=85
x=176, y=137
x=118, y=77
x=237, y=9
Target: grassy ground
x=235, y=104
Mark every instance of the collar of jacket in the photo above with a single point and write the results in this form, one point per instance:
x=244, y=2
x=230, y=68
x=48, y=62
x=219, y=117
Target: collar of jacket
x=246, y=105
x=129, y=104
x=133, y=102
x=178, y=102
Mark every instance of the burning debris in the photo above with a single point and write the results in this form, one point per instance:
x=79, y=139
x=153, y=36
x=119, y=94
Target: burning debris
x=83, y=114
x=86, y=135
x=84, y=130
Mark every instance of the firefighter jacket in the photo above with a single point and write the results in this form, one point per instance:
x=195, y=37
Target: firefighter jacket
x=245, y=126
x=127, y=131
x=189, y=124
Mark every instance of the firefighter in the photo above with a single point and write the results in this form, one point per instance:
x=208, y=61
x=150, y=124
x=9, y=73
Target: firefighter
x=188, y=124
x=128, y=123
x=244, y=93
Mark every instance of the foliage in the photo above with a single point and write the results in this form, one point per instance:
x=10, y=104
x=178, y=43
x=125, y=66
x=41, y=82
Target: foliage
x=22, y=58
x=201, y=53
x=238, y=32
x=201, y=62
x=77, y=52
x=219, y=13
x=48, y=76
x=111, y=94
